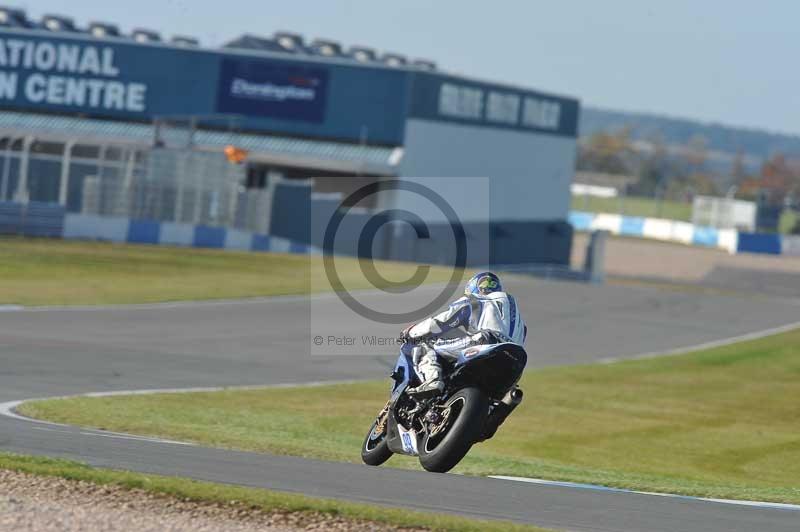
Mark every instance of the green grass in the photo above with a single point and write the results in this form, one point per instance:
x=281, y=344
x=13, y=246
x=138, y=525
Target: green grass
x=788, y=221
x=269, y=501
x=631, y=206
x=54, y=272
x=718, y=423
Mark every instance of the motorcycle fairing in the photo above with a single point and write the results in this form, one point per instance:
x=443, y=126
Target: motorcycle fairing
x=475, y=352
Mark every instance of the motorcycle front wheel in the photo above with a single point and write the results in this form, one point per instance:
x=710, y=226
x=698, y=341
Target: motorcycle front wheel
x=445, y=444
x=375, y=450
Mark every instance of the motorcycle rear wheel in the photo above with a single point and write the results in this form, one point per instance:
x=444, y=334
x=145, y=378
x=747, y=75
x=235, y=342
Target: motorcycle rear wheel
x=444, y=447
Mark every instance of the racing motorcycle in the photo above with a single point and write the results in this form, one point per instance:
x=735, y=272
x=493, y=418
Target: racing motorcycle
x=480, y=392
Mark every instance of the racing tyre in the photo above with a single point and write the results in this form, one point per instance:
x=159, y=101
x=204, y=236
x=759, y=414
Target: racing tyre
x=375, y=450
x=444, y=445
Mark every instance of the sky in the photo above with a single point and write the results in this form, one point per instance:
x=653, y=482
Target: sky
x=727, y=61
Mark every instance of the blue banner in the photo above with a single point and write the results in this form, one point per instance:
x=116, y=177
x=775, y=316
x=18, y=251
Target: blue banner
x=272, y=90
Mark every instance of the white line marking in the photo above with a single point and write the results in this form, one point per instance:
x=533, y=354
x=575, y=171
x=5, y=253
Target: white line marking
x=706, y=345
x=9, y=408
x=11, y=308
x=121, y=436
x=595, y=487
x=49, y=429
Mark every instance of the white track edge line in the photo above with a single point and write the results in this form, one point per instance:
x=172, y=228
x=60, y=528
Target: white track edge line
x=9, y=408
x=706, y=345
x=596, y=487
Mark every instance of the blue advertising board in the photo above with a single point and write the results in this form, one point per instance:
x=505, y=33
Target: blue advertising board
x=101, y=78
x=275, y=93
x=273, y=90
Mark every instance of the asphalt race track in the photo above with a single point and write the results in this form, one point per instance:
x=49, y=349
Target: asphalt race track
x=60, y=351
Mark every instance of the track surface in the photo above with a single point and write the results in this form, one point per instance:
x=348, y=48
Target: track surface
x=57, y=352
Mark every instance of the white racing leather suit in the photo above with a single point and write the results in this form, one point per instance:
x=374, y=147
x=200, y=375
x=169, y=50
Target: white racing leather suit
x=496, y=312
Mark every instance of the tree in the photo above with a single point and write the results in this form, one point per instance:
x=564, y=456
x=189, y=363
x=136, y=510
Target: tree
x=607, y=152
x=739, y=169
x=653, y=169
x=696, y=153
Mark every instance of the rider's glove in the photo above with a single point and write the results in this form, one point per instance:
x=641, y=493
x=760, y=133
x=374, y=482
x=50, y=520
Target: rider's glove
x=405, y=336
x=484, y=337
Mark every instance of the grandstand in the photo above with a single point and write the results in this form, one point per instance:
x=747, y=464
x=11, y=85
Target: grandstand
x=113, y=124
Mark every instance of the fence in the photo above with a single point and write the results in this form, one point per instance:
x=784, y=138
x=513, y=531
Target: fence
x=724, y=213
x=165, y=183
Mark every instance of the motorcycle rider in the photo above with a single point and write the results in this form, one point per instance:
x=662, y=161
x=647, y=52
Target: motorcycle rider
x=487, y=315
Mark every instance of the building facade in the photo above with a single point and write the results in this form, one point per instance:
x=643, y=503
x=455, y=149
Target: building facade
x=82, y=120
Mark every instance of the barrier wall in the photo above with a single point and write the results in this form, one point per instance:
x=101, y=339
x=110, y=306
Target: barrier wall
x=790, y=245
x=91, y=227
x=685, y=233
x=51, y=220
x=772, y=244
x=31, y=219
x=656, y=229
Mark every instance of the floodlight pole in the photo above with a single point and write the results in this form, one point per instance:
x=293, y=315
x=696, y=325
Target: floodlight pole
x=7, y=167
x=22, y=195
x=66, y=162
x=101, y=170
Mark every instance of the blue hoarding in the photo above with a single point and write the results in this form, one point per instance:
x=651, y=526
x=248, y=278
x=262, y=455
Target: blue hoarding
x=275, y=93
x=272, y=90
x=100, y=78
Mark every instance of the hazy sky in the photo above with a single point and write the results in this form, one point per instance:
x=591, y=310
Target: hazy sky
x=729, y=61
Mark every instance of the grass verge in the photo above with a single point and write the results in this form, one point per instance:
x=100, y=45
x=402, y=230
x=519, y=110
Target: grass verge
x=715, y=423
x=268, y=501
x=55, y=272
x=633, y=206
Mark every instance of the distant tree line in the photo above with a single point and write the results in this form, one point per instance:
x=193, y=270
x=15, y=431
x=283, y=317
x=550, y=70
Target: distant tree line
x=669, y=172
x=679, y=171
x=752, y=142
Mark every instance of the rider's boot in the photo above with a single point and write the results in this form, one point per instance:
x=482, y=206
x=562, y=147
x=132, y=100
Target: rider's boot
x=431, y=372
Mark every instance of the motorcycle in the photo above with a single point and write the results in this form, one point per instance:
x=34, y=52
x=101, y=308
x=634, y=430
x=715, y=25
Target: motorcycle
x=480, y=393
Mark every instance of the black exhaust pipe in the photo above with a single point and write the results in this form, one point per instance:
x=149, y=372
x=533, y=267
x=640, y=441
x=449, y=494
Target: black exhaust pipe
x=513, y=398
x=500, y=412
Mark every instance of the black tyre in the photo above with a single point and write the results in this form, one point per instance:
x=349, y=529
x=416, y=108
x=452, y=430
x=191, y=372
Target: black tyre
x=375, y=450
x=443, y=447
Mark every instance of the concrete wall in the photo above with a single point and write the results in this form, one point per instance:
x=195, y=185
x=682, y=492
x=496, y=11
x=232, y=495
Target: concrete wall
x=512, y=188
x=529, y=174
